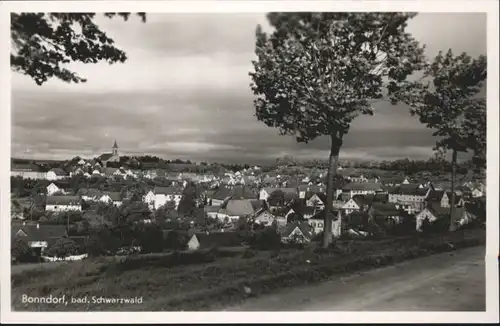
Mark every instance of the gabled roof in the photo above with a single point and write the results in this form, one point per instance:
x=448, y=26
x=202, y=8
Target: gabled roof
x=320, y=215
x=257, y=204
x=43, y=233
x=25, y=167
x=435, y=195
x=218, y=239
x=167, y=190
x=105, y=156
x=59, y=172
x=385, y=209
x=239, y=207
x=367, y=186
x=115, y=196
x=409, y=189
x=287, y=230
x=63, y=200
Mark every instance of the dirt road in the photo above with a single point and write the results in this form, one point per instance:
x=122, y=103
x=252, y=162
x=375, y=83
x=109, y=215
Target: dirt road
x=444, y=282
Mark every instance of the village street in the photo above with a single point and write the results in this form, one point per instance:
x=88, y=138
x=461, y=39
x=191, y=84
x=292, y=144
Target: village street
x=444, y=282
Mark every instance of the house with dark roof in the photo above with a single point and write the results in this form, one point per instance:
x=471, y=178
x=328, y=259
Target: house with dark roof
x=111, y=197
x=435, y=211
x=289, y=193
x=443, y=198
x=90, y=194
x=39, y=237
x=27, y=171
x=63, y=203
x=409, y=197
x=317, y=222
x=213, y=240
x=56, y=174
x=317, y=200
x=385, y=213
x=296, y=233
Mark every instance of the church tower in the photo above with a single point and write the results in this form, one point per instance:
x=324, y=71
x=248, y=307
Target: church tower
x=115, y=149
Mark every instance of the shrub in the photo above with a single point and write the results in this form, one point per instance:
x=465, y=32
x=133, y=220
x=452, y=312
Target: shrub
x=63, y=247
x=22, y=252
x=266, y=239
x=248, y=254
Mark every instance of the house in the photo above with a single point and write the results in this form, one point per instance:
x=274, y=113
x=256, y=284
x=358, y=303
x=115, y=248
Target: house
x=409, y=197
x=56, y=174
x=358, y=203
x=385, y=213
x=149, y=198
x=52, y=189
x=39, y=237
x=27, y=171
x=296, y=233
x=236, y=208
x=111, y=197
x=290, y=193
x=443, y=198
x=305, y=211
x=364, y=188
x=317, y=222
x=213, y=240
x=90, y=194
x=113, y=157
x=264, y=217
x=63, y=203
x=166, y=194
x=477, y=192
x=435, y=211
x=316, y=200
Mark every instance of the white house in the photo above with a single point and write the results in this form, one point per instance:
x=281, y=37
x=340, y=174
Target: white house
x=476, y=193
x=315, y=201
x=166, y=194
x=38, y=237
x=350, y=206
x=409, y=197
x=27, y=171
x=52, y=189
x=56, y=174
x=264, y=217
x=149, y=199
x=364, y=188
x=317, y=223
x=111, y=197
x=63, y=203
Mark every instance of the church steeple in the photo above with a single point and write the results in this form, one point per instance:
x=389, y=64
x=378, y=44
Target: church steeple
x=115, y=148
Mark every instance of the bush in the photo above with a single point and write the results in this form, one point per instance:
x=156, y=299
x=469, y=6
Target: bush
x=63, y=247
x=248, y=254
x=266, y=239
x=22, y=252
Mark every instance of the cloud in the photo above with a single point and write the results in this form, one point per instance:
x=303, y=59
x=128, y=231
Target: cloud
x=184, y=93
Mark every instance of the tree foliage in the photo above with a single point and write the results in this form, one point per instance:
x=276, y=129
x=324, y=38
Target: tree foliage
x=316, y=72
x=63, y=247
x=21, y=251
x=43, y=43
x=446, y=100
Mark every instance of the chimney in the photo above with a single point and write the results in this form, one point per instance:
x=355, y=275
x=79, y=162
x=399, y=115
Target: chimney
x=37, y=225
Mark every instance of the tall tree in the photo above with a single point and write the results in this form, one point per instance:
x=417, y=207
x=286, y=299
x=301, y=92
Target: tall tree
x=448, y=101
x=316, y=72
x=42, y=43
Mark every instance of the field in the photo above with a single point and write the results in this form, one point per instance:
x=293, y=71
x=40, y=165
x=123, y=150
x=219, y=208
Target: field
x=208, y=280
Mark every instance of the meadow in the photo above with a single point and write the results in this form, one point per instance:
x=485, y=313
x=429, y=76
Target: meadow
x=210, y=279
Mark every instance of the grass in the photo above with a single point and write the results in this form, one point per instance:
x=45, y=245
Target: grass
x=183, y=283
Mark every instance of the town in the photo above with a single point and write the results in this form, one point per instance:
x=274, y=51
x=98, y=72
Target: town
x=268, y=161
x=67, y=204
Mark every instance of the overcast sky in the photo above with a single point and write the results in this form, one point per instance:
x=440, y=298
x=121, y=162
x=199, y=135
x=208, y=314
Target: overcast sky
x=184, y=93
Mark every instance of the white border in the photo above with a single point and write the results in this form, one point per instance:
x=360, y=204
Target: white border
x=492, y=293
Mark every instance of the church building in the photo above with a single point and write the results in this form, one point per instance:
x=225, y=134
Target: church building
x=110, y=157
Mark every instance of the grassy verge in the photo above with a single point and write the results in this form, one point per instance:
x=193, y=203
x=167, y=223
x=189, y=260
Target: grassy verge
x=217, y=278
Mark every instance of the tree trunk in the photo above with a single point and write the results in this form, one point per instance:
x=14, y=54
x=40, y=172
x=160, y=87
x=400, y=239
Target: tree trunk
x=336, y=142
x=452, y=199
